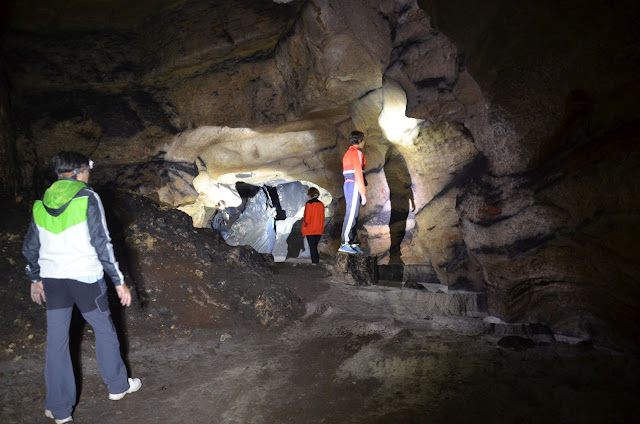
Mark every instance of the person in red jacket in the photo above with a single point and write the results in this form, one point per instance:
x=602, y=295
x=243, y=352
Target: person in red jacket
x=313, y=223
x=355, y=192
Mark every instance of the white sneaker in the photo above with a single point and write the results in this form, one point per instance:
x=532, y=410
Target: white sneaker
x=134, y=386
x=49, y=414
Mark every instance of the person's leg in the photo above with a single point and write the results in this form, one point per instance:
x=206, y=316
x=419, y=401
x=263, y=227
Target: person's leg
x=94, y=305
x=271, y=236
x=58, y=371
x=353, y=234
x=352, y=202
x=313, y=247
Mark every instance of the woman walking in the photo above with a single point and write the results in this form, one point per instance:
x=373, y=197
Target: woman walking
x=313, y=223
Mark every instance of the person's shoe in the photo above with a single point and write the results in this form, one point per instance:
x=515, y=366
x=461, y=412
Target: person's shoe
x=49, y=414
x=345, y=248
x=134, y=386
x=356, y=248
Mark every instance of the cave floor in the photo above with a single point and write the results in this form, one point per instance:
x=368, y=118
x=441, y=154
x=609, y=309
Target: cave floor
x=343, y=362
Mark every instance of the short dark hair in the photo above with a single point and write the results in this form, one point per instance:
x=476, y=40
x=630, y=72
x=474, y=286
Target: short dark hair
x=356, y=137
x=65, y=162
x=313, y=192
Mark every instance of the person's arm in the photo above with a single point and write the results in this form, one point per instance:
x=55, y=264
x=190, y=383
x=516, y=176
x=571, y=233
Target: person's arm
x=31, y=251
x=357, y=168
x=101, y=242
x=305, y=217
x=321, y=212
x=100, y=239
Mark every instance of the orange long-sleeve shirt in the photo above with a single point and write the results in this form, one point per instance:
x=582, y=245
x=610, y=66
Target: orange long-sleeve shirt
x=313, y=221
x=353, y=163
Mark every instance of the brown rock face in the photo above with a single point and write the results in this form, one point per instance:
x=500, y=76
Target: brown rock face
x=189, y=277
x=356, y=269
x=501, y=137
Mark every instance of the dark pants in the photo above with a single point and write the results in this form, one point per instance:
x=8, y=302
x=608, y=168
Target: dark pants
x=92, y=302
x=313, y=247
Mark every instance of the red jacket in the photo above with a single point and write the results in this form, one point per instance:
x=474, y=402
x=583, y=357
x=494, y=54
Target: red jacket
x=313, y=221
x=353, y=163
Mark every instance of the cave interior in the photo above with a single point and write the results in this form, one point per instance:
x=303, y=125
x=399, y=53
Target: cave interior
x=502, y=143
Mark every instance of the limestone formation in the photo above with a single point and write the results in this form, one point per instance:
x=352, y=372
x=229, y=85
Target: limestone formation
x=501, y=136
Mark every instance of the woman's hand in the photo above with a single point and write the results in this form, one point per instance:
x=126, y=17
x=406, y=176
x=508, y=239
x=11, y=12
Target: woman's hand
x=37, y=292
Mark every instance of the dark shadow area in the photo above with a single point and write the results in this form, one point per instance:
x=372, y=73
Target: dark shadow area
x=118, y=316
x=115, y=214
x=118, y=214
x=273, y=200
x=400, y=198
x=4, y=17
x=246, y=192
x=76, y=335
x=295, y=240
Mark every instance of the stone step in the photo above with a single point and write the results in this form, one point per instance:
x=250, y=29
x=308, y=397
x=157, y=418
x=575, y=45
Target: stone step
x=433, y=288
x=422, y=303
x=537, y=332
x=356, y=269
x=422, y=273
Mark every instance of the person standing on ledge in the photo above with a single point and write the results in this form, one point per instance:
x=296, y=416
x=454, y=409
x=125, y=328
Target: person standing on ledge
x=355, y=192
x=313, y=223
x=68, y=249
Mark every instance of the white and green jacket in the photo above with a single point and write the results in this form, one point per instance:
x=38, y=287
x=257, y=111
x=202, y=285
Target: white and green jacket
x=68, y=236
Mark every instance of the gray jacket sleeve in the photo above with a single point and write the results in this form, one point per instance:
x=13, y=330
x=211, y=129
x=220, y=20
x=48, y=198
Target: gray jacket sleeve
x=31, y=251
x=100, y=239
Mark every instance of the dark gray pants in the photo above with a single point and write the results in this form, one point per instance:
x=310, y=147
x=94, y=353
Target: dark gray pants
x=92, y=302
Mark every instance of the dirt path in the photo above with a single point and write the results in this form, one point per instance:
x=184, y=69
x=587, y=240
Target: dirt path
x=348, y=360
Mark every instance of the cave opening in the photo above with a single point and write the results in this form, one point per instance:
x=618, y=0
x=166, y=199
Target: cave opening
x=276, y=204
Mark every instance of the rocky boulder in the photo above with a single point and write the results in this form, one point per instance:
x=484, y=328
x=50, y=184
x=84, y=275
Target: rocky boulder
x=189, y=277
x=356, y=269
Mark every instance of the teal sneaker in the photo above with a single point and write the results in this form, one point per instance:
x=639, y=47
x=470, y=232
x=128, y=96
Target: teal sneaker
x=356, y=248
x=345, y=248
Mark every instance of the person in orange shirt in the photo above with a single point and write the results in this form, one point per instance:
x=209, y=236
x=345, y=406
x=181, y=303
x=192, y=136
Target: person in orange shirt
x=313, y=223
x=355, y=192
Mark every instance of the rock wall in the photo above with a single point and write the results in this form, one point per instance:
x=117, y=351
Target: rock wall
x=552, y=218
x=501, y=137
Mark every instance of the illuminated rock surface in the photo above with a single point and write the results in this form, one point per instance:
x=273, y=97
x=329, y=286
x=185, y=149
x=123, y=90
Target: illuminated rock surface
x=502, y=139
